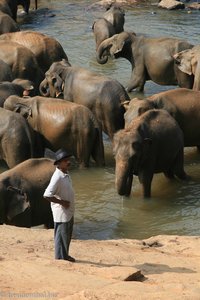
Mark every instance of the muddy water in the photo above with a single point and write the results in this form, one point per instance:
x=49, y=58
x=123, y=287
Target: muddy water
x=100, y=213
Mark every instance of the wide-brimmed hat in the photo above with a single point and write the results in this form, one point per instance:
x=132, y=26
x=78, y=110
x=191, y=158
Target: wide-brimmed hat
x=61, y=154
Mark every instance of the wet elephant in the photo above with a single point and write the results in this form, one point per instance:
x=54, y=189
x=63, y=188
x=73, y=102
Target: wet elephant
x=21, y=194
x=188, y=61
x=62, y=124
x=182, y=104
x=111, y=23
x=151, y=59
x=102, y=95
x=45, y=48
x=16, y=138
x=22, y=62
x=152, y=143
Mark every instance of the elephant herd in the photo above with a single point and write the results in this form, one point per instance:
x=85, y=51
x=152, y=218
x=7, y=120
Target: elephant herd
x=47, y=103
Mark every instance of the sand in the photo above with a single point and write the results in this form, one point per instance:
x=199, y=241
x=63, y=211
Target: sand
x=161, y=267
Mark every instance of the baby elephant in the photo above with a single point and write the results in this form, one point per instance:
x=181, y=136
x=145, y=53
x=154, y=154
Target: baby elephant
x=152, y=143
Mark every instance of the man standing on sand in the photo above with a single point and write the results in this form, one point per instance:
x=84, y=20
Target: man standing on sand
x=61, y=195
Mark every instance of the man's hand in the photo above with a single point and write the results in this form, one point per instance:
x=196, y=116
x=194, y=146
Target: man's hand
x=65, y=203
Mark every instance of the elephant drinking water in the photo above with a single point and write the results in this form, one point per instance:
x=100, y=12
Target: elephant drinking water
x=152, y=143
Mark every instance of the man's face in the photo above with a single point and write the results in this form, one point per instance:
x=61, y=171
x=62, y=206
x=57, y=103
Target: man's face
x=64, y=164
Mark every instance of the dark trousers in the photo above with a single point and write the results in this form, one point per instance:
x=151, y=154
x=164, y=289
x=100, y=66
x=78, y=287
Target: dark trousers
x=62, y=238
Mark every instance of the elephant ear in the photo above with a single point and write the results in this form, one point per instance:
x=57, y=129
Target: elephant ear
x=183, y=61
x=23, y=109
x=119, y=42
x=18, y=203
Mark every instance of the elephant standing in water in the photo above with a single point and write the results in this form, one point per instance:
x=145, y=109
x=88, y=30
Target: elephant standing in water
x=21, y=194
x=151, y=59
x=102, y=95
x=188, y=61
x=152, y=143
x=111, y=23
x=62, y=124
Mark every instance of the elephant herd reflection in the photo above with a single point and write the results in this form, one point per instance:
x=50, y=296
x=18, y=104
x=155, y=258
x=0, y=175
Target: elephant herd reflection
x=47, y=103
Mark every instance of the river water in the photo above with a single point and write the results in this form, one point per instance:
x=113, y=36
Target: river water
x=100, y=212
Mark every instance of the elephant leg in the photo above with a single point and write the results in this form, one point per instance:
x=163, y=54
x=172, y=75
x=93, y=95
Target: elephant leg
x=179, y=166
x=98, y=150
x=145, y=178
x=138, y=79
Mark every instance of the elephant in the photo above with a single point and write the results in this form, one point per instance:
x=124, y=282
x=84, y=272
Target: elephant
x=10, y=6
x=7, y=24
x=182, y=104
x=152, y=143
x=102, y=30
x=62, y=124
x=21, y=194
x=116, y=16
x=143, y=53
x=45, y=48
x=188, y=62
x=111, y=23
x=22, y=62
x=102, y=95
x=6, y=7
x=17, y=140
x=19, y=87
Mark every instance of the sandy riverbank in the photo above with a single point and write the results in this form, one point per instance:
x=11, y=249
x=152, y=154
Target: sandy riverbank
x=162, y=267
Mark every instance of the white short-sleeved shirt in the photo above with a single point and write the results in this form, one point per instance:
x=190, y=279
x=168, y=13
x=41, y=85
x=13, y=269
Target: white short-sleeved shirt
x=60, y=187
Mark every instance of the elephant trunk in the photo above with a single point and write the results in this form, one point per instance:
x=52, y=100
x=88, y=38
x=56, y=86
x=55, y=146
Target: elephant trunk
x=124, y=185
x=36, y=6
x=123, y=178
x=44, y=88
x=103, y=51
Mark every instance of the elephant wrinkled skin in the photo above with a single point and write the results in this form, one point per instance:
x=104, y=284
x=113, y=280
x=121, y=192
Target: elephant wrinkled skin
x=188, y=62
x=21, y=194
x=62, y=124
x=152, y=143
x=102, y=95
x=151, y=58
